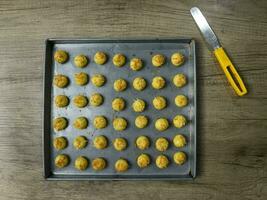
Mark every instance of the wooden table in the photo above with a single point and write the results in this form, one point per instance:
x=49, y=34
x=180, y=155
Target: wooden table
x=232, y=132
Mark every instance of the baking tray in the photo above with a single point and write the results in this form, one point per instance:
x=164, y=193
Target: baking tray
x=139, y=48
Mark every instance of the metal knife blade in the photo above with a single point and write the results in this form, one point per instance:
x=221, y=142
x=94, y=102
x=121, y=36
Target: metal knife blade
x=205, y=28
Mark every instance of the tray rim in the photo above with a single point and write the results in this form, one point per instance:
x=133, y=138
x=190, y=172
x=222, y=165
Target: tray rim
x=49, y=42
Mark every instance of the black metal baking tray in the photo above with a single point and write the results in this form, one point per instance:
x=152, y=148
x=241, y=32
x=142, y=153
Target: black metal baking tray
x=140, y=48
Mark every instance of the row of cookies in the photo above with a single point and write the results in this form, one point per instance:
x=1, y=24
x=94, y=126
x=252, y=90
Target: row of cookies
x=101, y=142
x=119, y=85
x=122, y=164
x=119, y=123
x=118, y=104
x=119, y=59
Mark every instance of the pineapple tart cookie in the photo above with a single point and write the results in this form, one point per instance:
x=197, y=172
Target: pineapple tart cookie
x=100, y=58
x=179, y=80
x=161, y=124
x=100, y=122
x=119, y=124
x=61, y=56
x=62, y=160
x=143, y=160
x=179, y=158
x=121, y=165
x=119, y=60
x=179, y=121
x=181, y=100
x=60, y=123
x=100, y=142
x=142, y=142
x=162, y=144
x=80, y=142
x=158, y=82
x=98, y=80
x=139, y=105
x=61, y=81
x=136, y=64
x=96, y=99
x=139, y=83
x=141, y=121
x=80, y=61
x=60, y=143
x=120, y=85
x=179, y=141
x=177, y=59
x=158, y=60
x=81, y=78
x=118, y=104
x=81, y=163
x=99, y=164
x=120, y=144
x=159, y=102
x=162, y=161
x=80, y=101
x=80, y=123
x=61, y=101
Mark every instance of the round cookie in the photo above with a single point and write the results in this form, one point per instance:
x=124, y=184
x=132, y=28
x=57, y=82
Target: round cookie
x=81, y=163
x=158, y=60
x=159, y=102
x=136, y=64
x=158, y=82
x=98, y=80
x=119, y=124
x=61, y=101
x=142, y=142
x=179, y=141
x=181, y=100
x=100, y=142
x=119, y=60
x=96, y=99
x=161, y=124
x=61, y=81
x=118, y=104
x=120, y=85
x=61, y=56
x=139, y=105
x=80, y=61
x=162, y=161
x=80, y=123
x=141, y=121
x=120, y=144
x=121, y=165
x=60, y=123
x=80, y=142
x=143, y=160
x=139, y=83
x=161, y=144
x=99, y=164
x=80, y=101
x=100, y=122
x=60, y=143
x=81, y=78
x=179, y=121
x=100, y=58
x=177, y=59
x=62, y=160
x=179, y=80
x=179, y=158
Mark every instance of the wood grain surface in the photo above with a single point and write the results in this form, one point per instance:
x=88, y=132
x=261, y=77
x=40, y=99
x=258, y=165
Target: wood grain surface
x=232, y=137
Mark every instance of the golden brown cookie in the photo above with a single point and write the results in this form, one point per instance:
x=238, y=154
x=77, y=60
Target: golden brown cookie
x=60, y=123
x=100, y=122
x=61, y=101
x=177, y=59
x=121, y=165
x=161, y=124
x=80, y=142
x=119, y=60
x=158, y=60
x=81, y=78
x=179, y=121
x=158, y=82
x=139, y=105
x=161, y=144
x=81, y=163
x=80, y=61
x=139, y=83
x=60, y=143
x=159, y=102
x=100, y=142
x=61, y=81
x=100, y=58
x=143, y=160
x=99, y=164
x=118, y=104
x=142, y=142
x=98, y=80
x=136, y=64
x=61, y=56
x=96, y=99
x=119, y=124
x=179, y=80
x=141, y=121
x=120, y=85
x=179, y=141
x=181, y=100
x=120, y=144
x=80, y=101
x=62, y=160
x=162, y=161
x=179, y=158
x=80, y=123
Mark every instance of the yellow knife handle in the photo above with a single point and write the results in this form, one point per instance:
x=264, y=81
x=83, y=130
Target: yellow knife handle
x=232, y=75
